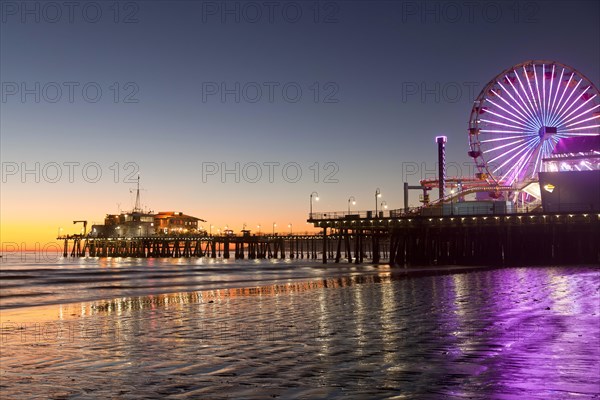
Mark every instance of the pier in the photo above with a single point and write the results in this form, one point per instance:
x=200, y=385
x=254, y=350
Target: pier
x=508, y=239
x=393, y=237
x=188, y=246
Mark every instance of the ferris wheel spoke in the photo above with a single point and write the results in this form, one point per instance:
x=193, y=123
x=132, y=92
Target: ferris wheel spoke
x=581, y=121
x=519, y=129
x=562, y=112
x=560, y=103
x=570, y=134
x=550, y=146
x=524, y=120
x=589, y=110
x=506, y=137
x=522, y=103
x=517, y=153
x=534, y=103
x=547, y=148
x=530, y=100
x=556, y=94
x=537, y=88
x=519, y=165
x=523, y=117
x=514, y=149
x=584, y=127
x=528, y=103
x=544, y=93
x=525, y=113
x=538, y=160
x=503, y=146
x=549, y=107
x=508, y=119
x=564, y=91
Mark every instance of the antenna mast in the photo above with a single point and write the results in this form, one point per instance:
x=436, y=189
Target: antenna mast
x=137, y=196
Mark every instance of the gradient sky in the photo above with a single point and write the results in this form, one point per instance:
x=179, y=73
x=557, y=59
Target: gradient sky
x=365, y=57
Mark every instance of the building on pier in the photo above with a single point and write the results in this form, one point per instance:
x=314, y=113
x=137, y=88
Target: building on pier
x=140, y=223
x=167, y=222
x=136, y=224
x=126, y=224
x=571, y=178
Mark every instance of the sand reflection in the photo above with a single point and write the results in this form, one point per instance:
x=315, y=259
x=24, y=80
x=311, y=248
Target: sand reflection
x=488, y=334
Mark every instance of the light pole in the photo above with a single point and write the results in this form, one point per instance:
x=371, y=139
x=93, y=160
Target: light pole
x=352, y=200
x=290, y=226
x=377, y=195
x=452, y=201
x=316, y=198
x=210, y=231
x=383, y=205
x=274, y=225
x=59, y=231
x=258, y=227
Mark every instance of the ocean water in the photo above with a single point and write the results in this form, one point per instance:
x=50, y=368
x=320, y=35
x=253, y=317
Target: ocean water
x=126, y=328
x=34, y=280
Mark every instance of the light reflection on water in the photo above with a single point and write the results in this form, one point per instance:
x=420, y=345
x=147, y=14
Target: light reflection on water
x=74, y=280
x=527, y=333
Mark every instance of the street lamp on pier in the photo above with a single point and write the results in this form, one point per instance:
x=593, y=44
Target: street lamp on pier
x=290, y=226
x=352, y=200
x=316, y=195
x=377, y=196
x=274, y=225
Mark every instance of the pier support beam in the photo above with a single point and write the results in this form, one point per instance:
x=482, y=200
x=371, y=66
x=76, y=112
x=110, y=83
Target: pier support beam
x=325, y=245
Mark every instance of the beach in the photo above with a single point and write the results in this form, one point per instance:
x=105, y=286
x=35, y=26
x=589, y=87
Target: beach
x=373, y=332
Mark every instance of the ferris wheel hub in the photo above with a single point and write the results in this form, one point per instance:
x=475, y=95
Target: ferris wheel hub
x=547, y=131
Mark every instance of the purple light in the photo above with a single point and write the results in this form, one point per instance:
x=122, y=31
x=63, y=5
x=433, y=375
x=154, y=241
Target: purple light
x=525, y=118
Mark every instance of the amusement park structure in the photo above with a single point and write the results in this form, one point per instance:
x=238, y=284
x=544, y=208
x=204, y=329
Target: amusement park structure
x=522, y=121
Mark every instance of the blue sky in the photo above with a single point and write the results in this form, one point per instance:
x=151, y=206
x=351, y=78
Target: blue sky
x=378, y=79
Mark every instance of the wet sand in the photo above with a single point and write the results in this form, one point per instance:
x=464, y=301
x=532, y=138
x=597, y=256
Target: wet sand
x=502, y=334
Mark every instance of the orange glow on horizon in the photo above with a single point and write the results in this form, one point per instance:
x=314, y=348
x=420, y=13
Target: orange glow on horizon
x=33, y=216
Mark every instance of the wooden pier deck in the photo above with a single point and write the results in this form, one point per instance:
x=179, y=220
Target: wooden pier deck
x=398, y=239
x=506, y=239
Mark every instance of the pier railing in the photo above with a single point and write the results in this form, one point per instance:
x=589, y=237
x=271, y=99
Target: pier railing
x=350, y=215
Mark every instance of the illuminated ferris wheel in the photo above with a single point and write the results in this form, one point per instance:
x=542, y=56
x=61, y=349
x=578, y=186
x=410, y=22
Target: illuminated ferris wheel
x=522, y=113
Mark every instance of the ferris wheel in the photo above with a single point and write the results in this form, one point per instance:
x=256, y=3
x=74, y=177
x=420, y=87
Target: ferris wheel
x=521, y=114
